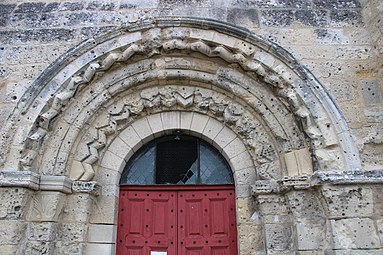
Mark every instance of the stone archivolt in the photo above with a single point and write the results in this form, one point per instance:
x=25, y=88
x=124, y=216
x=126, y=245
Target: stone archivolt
x=268, y=72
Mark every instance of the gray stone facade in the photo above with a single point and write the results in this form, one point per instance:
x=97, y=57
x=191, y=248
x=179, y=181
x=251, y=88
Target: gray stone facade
x=290, y=92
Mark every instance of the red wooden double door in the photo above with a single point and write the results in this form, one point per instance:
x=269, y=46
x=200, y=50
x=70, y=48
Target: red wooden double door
x=198, y=220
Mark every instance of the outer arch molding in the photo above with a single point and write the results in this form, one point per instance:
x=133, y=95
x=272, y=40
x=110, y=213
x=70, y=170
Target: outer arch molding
x=306, y=97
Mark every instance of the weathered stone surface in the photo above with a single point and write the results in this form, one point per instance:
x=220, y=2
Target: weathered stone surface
x=11, y=231
x=14, y=203
x=348, y=201
x=339, y=40
x=46, y=232
x=78, y=208
x=279, y=238
x=311, y=235
x=38, y=248
x=86, y=187
x=19, y=179
x=69, y=248
x=72, y=232
x=306, y=206
x=357, y=233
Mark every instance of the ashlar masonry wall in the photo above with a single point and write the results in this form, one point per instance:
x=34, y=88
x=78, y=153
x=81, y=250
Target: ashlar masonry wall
x=294, y=205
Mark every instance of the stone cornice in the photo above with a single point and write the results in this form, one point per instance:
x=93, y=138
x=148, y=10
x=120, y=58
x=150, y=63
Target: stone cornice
x=33, y=181
x=25, y=179
x=319, y=178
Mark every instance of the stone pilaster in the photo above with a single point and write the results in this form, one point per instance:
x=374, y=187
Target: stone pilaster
x=278, y=225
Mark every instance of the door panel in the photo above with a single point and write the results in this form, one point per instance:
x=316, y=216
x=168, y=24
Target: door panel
x=147, y=222
x=206, y=222
x=190, y=222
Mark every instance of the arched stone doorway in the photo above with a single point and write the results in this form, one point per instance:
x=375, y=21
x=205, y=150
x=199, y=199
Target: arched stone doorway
x=201, y=126
x=177, y=197
x=72, y=133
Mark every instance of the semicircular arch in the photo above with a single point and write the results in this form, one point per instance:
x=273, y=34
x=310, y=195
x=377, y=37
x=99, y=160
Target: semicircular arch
x=243, y=52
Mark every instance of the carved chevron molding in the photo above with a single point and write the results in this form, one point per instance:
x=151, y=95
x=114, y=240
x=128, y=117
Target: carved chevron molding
x=167, y=98
x=157, y=42
x=150, y=45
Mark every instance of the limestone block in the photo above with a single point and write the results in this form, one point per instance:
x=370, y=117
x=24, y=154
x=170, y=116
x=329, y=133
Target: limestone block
x=78, y=208
x=245, y=176
x=359, y=252
x=56, y=183
x=374, y=114
x=356, y=233
x=279, y=238
x=348, y=201
x=273, y=205
x=378, y=201
x=241, y=161
x=379, y=226
x=202, y=34
x=243, y=191
x=245, y=210
x=311, y=253
x=100, y=249
x=155, y=123
x=170, y=120
x=102, y=233
x=310, y=235
x=47, y=206
x=45, y=231
x=107, y=176
x=224, y=137
x=112, y=161
x=110, y=190
x=131, y=138
x=234, y=148
x=119, y=148
x=38, y=248
x=212, y=128
x=92, y=188
x=26, y=179
x=186, y=119
x=14, y=202
x=250, y=238
x=104, y=210
x=8, y=249
x=72, y=232
x=69, y=248
x=143, y=130
x=298, y=162
x=265, y=58
x=198, y=123
x=12, y=231
x=306, y=206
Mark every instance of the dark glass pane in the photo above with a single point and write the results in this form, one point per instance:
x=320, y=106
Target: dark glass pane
x=141, y=167
x=175, y=159
x=214, y=168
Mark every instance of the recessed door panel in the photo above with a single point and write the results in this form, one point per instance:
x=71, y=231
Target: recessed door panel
x=147, y=222
x=189, y=222
x=207, y=225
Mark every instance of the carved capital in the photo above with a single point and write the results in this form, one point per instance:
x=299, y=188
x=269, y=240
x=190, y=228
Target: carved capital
x=47, y=206
x=92, y=188
x=264, y=187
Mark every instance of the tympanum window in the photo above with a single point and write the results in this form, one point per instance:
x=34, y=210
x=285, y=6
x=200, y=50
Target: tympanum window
x=177, y=160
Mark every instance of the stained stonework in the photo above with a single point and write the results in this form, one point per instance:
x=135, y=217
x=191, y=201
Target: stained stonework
x=289, y=92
